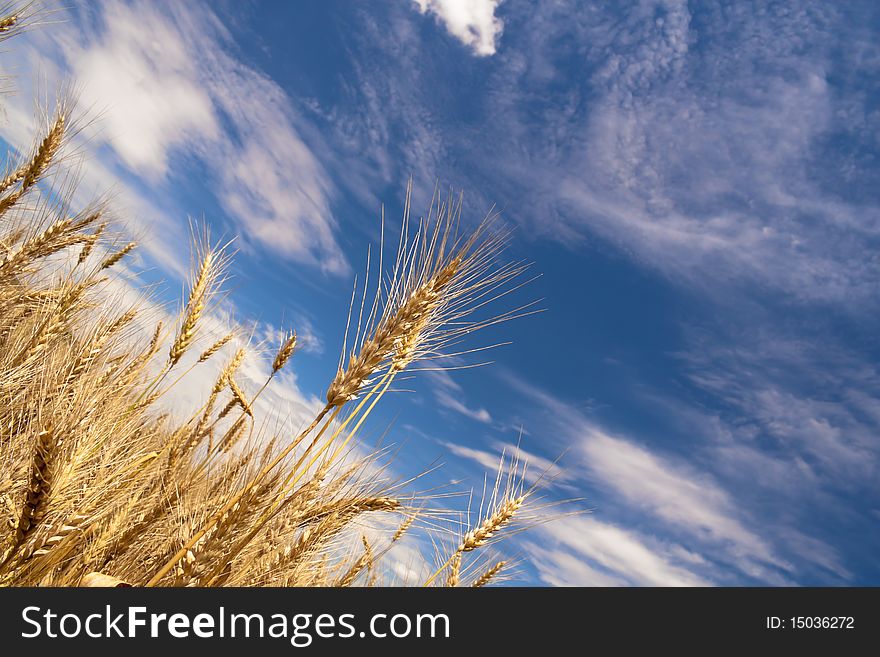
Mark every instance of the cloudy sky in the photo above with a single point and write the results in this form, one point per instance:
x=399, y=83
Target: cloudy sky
x=692, y=180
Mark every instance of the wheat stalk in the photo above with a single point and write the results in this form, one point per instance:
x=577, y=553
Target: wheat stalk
x=403, y=528
x=202, y=284
x=363, y=561
x=239, y=397
x=38, y=490
x=41, y=160
x=505, y=505
x=491, y=525
x=488, y=575
x=453, y=577
x=214, y=348
x=396, y=338
x=113, y=258
x=284, y=353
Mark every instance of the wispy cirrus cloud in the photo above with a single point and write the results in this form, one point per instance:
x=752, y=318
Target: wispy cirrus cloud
x=638, y=490
x=697, y=141
x=686, y=499
x=532, y=467
x=696, y=144
x=811, y=402
x=602, y=554
x=450, y=395
x=447, y=400
x=794, y=431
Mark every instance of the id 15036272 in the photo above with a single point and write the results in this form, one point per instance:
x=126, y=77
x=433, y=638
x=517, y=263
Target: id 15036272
x=810, y=623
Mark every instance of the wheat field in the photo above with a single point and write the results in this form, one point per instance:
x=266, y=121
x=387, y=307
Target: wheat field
x=101, y=487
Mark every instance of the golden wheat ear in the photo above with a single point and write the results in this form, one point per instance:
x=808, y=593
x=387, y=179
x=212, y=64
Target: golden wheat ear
x=17, y=183
x=28, y=244
x=8, y=23
x=37, y=492
x=206, y=281
x=403, y=528
x=89, y=244
x=364, y=561
x=488, y=575
x=503, y=505
x=438, y=280
x=284, y=353
x=114, y=258
x=214, y=348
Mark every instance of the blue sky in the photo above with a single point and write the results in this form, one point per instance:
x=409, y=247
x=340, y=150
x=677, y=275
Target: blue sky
x=697, y=183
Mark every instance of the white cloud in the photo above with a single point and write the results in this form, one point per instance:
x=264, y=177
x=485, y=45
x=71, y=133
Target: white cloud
x=640, y=146
x=603, y=554
x=536, y=467
x=710, y=164
x=144, y=77
x=668, y=494
x=561, y=568
x=452, y=403
x=473, y=22
x=450, y=394
x=688, y=500
x=164, y=78
x=158, y=232
x=776, y=386
x=487, y=460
